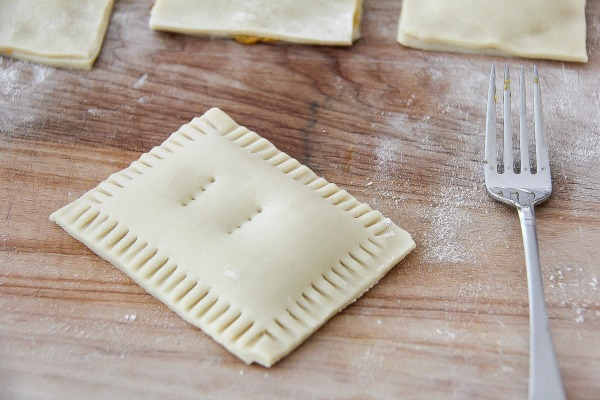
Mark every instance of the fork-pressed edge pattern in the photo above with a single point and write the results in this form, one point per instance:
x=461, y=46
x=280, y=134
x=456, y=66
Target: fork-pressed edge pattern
x=524, y=190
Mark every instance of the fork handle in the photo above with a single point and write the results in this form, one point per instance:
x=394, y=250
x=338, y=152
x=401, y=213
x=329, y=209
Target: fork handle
x=544, y=376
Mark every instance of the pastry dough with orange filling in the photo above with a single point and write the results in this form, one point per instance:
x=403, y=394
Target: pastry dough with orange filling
x=320, y=22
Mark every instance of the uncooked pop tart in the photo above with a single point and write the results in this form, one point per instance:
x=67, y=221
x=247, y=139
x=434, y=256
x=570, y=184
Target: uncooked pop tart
x=553, y=30
x=321, y=22
x=237, y=237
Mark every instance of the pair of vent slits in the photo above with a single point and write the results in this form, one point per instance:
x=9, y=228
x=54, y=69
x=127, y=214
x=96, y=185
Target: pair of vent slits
x=197, y=193
x=203, y=189
x=247, y=220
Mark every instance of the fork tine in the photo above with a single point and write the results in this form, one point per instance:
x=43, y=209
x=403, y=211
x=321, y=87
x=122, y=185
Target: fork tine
x=523, y=137
x=508, y=148
x=541, y=144
x=491, y=155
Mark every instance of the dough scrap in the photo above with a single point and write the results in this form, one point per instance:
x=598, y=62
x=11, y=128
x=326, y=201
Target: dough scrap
x=237, y=237
x=60, y=33
x=322, y=22
x=525, y=28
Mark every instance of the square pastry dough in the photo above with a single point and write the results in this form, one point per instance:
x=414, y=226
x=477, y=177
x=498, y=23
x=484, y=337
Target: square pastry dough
x=61, y=33
x=236, y=237
x=324, y=22
x=527, y=28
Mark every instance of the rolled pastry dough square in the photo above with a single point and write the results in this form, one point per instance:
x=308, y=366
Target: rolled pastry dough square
x=526, y=28
x=325, y=22
x=236, y=237
x=61, y=33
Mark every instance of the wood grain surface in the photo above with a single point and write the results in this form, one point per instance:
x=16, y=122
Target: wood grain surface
x=400, y=129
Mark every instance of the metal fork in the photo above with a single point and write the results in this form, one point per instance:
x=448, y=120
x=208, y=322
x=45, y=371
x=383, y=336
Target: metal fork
x=524, y=189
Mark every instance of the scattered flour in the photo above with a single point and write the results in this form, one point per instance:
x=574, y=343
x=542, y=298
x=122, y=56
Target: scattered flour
x=99, y=112
x=576, y=288
x=451, y=218
x=9, y=82
x=387, y=223
x=20, y=77
x=140, y=82
x=130, y=317
x=448, y=219
x=19, y=82
x=233, y=273
x=387, y=154
x=449, y=334
x=96, y=112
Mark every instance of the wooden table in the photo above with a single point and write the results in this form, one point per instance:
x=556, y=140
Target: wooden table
x=400, y=129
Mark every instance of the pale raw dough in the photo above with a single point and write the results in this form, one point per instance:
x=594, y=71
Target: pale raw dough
x=527, y=28
x=237, y=237
x=325, y=22
x=61, y=33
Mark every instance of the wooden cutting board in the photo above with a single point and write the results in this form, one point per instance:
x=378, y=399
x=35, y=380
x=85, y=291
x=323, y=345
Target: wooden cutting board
x=398, y=128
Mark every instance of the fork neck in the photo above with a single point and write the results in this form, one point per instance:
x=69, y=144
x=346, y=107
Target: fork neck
x=526, y=214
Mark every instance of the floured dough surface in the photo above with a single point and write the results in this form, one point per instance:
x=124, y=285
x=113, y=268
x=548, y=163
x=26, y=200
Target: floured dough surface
x=325, y=22
x=236, y=237
x=61, y=33
x=525, y=28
